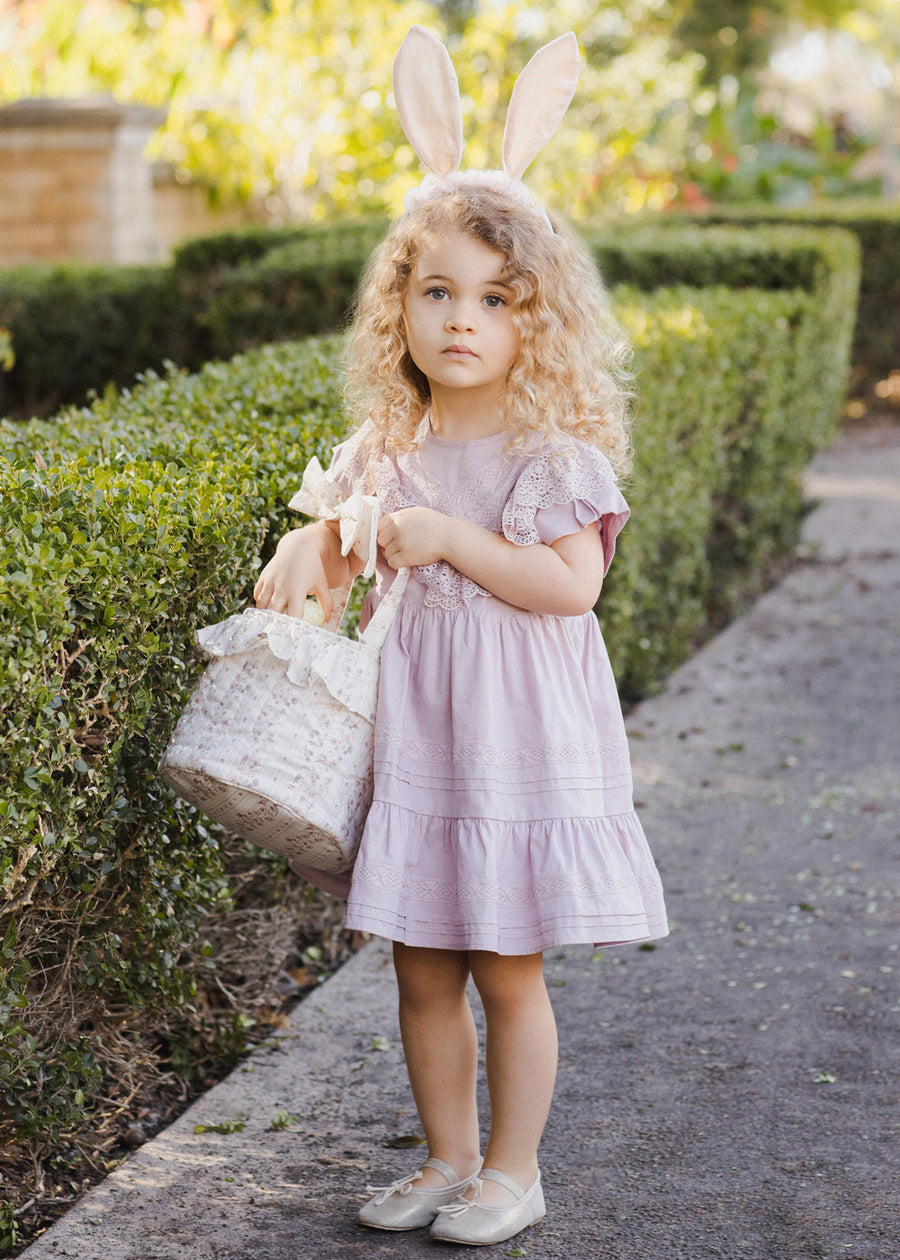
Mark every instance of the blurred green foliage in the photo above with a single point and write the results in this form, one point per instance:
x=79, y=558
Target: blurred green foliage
x=289, y=105
x=876, y=225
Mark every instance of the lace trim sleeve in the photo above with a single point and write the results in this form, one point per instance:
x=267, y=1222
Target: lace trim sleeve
x=350, y=461
x=555, y=496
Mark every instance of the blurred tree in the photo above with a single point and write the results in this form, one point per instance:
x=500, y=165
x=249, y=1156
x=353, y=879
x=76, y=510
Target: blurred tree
x=752, y=143
x=456, y=13
x=736, y=36
x=630, y=115
x=287, y=104
x=876, y=24
x=273, y=101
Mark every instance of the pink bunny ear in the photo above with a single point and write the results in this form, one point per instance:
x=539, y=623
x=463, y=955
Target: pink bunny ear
x=539, y=99
x=426, y=91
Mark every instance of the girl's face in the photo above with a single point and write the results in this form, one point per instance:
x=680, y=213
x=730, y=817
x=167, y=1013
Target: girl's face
x=458, y=318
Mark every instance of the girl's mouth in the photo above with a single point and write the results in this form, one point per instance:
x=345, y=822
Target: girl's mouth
x=461, y=350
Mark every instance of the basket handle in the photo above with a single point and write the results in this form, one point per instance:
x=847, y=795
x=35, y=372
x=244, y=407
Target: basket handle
x=376, y=631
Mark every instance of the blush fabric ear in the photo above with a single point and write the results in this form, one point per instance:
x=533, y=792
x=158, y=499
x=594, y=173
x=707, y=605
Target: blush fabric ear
x=426, y=92
x=540, y=97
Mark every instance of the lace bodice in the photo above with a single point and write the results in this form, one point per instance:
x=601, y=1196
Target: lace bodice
x=528, y=498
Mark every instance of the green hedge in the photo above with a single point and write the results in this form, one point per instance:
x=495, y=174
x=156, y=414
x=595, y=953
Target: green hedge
x=299, y=289
x=876, y=224
x=75, y=329
x=771, y=373
x=205, y=256
x=258, y=285
x=721, y=445
x=823, y=263
x=307, y=285
x=130, y=523
x=124, y=527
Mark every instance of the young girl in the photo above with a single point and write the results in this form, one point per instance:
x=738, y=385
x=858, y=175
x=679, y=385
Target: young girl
x=488, y=375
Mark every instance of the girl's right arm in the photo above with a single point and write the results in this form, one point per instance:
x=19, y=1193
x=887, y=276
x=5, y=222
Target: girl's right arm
x=307, y=561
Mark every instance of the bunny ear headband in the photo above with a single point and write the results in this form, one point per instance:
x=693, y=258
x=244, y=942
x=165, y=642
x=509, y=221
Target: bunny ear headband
x=426, y=91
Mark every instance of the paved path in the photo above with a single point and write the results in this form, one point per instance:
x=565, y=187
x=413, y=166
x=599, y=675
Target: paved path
x=733, y=1092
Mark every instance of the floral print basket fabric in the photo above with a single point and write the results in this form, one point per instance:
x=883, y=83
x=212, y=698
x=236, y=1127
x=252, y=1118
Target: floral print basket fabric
x=276, y=741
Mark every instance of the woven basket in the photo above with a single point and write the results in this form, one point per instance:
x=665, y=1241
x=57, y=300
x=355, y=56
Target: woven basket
x=276, y=741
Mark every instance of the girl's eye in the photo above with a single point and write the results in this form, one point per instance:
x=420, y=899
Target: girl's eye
x=493, y=300
x=437, y=293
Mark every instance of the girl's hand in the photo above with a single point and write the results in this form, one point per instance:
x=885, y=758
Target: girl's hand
x=413, y=536
x=298, y=569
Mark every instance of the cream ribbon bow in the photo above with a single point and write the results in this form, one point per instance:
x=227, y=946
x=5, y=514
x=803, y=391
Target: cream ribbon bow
x=358, y=514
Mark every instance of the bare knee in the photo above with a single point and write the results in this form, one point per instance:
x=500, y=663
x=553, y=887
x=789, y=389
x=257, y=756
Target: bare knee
x=430, y=977
x=507, y=983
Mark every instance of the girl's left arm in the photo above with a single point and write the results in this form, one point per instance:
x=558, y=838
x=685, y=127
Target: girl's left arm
x=562, y=579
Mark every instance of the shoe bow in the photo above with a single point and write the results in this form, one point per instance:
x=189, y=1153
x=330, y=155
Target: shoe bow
x=403, y=1186
x=461, y=1205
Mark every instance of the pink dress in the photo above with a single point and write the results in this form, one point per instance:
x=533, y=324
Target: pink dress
x=502, y=817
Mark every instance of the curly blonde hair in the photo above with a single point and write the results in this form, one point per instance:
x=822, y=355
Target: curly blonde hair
x=570, y=377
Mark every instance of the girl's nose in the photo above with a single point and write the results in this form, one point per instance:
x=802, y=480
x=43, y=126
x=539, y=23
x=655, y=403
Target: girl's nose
x=460, y=318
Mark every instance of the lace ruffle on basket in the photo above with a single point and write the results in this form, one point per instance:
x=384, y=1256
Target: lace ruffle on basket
x=301, y=647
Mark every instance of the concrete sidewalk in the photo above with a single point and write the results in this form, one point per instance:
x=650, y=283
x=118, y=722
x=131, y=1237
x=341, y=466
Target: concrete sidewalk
x=733, y=1092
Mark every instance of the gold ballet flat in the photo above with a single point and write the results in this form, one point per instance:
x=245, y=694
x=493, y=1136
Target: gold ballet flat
x=475, y=1224
x=402, y=1205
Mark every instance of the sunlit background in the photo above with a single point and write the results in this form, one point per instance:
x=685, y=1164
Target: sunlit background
x=284, y=106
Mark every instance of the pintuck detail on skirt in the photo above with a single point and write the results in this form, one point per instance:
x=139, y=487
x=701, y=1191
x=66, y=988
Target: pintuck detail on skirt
x=503, y=816
x=511, y=888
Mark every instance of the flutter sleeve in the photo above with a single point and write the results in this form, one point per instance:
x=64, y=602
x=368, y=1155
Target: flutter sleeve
x=559, y=494
x=349, y=461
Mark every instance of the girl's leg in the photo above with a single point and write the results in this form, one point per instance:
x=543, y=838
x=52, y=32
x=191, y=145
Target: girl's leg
x=521, y=1063
x=441, y=1048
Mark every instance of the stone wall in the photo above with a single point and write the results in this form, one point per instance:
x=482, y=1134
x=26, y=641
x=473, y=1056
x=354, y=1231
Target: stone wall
x=75, y=186
x=181, y=211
